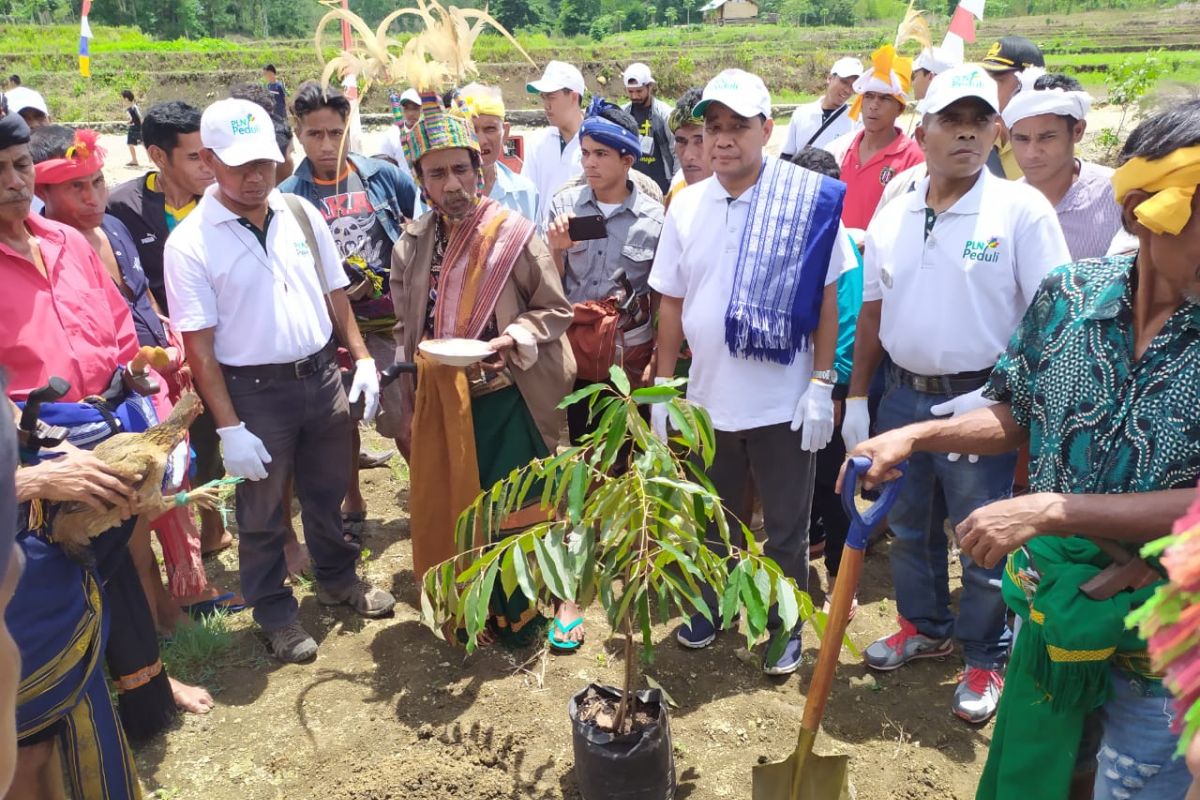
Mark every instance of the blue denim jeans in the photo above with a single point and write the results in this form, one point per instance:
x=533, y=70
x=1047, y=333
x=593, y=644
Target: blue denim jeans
x=1137, y=752
x=938, y=489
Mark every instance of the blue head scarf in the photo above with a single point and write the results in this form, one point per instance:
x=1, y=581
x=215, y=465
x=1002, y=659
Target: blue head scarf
x=607, y=132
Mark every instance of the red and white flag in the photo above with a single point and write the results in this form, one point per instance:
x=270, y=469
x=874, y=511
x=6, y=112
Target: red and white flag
x=962, y=24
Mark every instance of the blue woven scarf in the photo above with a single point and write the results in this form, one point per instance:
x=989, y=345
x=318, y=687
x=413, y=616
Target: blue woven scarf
x=782, y=262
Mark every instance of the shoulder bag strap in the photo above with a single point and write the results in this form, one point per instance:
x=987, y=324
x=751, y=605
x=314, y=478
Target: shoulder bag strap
x=310, y=238
x=841, y=110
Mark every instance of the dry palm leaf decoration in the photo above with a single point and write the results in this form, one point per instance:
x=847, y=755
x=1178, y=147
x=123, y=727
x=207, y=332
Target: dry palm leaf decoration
x=914, y=28
x=431, y=60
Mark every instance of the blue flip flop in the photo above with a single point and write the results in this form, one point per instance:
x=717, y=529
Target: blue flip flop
x=562, y=645
x=206, y=607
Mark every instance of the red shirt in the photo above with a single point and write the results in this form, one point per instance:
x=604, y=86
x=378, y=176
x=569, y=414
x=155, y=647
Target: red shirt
x=73, y=324
x=865, y=182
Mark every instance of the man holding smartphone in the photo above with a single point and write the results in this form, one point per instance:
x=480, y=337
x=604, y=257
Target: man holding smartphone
x=602, y=229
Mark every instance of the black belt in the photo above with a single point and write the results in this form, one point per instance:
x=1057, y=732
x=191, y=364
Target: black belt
x=297, y=370
x=958, y=383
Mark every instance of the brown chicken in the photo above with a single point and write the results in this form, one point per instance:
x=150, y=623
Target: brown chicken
x=132, y=454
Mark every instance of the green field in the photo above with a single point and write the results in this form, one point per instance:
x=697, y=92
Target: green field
x=793, y=60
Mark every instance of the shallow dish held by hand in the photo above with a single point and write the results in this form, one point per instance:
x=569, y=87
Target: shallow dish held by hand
x=456, y=352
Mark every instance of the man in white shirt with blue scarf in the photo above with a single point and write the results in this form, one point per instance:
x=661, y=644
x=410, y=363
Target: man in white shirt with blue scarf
x=758, y=244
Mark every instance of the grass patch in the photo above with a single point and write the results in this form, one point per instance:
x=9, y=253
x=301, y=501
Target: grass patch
x=193, y=654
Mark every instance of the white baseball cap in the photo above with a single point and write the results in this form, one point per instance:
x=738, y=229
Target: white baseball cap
x=559, y=75
x=410, y=96
x=846, y=68
x=969, y=80
x=637, y=75
x=23, y=97
x=935, y=60
x=239, y=132
x=742, y=92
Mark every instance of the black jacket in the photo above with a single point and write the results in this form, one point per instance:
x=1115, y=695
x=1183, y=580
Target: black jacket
x=144, y=214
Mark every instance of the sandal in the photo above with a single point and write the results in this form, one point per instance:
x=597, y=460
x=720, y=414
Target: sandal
x=353, y=525
x=206, y=607
x=558, y=629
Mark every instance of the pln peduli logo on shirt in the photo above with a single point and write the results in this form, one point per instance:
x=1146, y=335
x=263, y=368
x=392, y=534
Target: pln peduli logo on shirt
x=987, y=252
x=244, y=127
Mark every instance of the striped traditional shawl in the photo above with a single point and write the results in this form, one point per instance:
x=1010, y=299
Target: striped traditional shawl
x=478, y=261
x=782, y=261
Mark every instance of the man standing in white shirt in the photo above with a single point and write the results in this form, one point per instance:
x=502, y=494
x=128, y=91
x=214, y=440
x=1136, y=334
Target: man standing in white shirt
x=409, y=106
x=253, y=300
x=1046, y=120
x=818, y=123
x=554, y=158
x=754, y=373
x=948, y=273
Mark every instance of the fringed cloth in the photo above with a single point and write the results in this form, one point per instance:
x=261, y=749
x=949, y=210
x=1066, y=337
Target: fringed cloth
x=1060, y=666
x=782, y=261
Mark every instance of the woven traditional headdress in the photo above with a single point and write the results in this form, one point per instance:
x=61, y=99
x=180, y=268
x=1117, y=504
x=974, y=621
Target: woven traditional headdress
x=432, y=60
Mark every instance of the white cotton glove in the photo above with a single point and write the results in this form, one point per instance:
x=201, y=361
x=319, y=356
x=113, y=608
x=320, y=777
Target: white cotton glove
x=244, y=454
x=365, y=385
x=856, y=423
x=957, y=406
x=814, y=416
x=659, y=418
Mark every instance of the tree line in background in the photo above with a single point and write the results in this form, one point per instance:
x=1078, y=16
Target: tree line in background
x=283, y=19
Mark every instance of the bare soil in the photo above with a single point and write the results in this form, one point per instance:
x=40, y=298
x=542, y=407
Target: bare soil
x=388, y=711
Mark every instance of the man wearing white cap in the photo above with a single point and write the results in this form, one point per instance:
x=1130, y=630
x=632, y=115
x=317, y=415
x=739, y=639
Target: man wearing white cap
x=29, y=104
x=818, y=123
x=554, y=158
x=766, y=374
x=255, y=284
x=948, y=273
x=410, y=114
x=651, y=114
x=877, y=153
x=1046, y=120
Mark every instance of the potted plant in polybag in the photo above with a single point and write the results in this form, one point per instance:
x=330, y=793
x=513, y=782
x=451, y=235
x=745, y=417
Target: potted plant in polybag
x=633, y=540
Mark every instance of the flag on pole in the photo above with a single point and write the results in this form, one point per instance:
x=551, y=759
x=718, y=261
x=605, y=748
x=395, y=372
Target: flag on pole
x=962, y=24
x=85, y=36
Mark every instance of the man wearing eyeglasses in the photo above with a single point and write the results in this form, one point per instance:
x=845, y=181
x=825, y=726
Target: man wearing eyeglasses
x=256, y=286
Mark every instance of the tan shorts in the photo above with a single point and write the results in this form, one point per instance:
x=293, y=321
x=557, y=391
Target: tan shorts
x=382, y=347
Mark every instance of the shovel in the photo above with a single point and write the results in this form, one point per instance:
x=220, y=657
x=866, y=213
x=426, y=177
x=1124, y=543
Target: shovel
x=804, y=775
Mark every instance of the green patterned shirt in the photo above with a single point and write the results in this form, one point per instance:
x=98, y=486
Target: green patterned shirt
x=1100, y=420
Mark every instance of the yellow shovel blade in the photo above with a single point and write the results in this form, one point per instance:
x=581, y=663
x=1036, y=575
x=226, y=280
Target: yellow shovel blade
x=803, y=775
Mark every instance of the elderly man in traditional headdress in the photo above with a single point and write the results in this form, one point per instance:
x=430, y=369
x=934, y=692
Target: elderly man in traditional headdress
x=474, y=269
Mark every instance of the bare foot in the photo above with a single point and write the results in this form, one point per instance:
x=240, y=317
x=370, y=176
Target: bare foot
x=192, y=699
x=213, y=536
x=566, y=615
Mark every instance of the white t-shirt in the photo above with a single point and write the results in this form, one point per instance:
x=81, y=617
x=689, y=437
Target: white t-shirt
x=266, y=305
x=952, y=301
x=696, y=260
x=391, y=147
x=549, y=166
x=807, y=120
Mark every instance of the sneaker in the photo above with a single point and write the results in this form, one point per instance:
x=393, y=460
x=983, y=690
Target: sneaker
x=789, y=660
x=903, y=646
x=978, y=694
x=697, y=634
x=292, y=644
x=368, y=600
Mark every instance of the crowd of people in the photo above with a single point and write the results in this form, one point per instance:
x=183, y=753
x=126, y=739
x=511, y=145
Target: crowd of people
x=969, y=296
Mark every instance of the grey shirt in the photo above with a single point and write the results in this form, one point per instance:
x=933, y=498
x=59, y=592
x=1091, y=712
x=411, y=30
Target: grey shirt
x=633, y=231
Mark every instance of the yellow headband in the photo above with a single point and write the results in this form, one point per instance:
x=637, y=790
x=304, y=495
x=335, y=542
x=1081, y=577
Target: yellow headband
x=1172, y=182
x=890, y=73
x=482, y=100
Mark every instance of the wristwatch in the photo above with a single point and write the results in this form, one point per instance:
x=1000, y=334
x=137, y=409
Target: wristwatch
x=825, y=375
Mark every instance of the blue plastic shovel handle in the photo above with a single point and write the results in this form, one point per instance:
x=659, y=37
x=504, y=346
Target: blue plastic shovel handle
x=861, y=524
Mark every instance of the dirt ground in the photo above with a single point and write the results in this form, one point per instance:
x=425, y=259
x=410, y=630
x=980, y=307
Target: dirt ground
x=389, y=712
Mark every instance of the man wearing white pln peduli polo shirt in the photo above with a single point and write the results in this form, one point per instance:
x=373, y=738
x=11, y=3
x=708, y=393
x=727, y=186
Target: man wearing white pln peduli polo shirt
x=949, y=270
x=253, y=302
